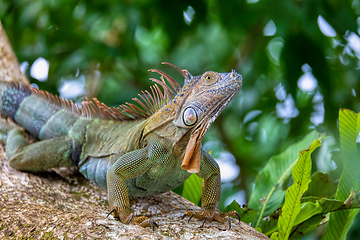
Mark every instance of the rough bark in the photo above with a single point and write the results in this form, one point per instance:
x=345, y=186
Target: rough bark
x=62, y=204
x=9, y=66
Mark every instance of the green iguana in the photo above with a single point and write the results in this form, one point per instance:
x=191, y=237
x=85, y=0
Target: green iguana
x=129, y=150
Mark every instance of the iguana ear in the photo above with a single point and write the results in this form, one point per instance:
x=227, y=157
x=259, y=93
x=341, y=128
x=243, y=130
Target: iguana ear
x=189, y=117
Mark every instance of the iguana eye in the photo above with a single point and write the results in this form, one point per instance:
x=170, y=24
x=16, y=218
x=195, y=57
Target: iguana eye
x=189, y=116
x=209, y=78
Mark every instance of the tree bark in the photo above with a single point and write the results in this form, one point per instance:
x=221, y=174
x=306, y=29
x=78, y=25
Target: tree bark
x=9, y=66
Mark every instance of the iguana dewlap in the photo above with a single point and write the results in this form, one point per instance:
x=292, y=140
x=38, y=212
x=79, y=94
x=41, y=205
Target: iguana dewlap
x=132, y=150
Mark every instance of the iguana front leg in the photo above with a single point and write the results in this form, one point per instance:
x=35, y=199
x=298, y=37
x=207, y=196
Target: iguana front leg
x=211, y=190
x=130, y=165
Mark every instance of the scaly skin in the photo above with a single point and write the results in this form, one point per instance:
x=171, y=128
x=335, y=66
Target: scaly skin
x=148, y=155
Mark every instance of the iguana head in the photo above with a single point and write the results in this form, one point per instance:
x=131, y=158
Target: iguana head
x=185, y=114
x=200, y=101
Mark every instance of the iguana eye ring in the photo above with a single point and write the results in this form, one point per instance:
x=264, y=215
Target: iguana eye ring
x=189, y=116
x=209, y=78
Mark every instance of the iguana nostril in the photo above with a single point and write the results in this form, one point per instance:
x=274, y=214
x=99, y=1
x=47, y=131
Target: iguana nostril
x=233, y=73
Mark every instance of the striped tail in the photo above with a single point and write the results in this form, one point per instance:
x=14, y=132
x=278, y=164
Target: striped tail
x=40, y=117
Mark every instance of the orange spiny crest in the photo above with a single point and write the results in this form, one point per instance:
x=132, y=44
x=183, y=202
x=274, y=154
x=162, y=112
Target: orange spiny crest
x=151, y=102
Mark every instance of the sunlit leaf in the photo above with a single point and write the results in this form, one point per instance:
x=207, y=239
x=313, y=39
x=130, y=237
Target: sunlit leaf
x=275, y=171
x=340, y=222
x=192, y=189
x=301, y=177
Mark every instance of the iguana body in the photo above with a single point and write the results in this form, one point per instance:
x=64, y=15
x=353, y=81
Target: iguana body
x=127, y=150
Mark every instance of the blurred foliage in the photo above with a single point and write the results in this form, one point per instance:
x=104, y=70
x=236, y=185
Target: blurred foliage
x=273, y=44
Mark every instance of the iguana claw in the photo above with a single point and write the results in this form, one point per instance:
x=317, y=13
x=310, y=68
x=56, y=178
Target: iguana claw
x=112, y=210
x=236, y=214
x=129, y=218
x=210, y=215
x=202, y=225
x=151, y=222
x=189, y=217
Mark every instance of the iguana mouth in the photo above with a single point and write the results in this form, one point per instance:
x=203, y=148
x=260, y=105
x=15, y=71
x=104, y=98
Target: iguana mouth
x=192, y=157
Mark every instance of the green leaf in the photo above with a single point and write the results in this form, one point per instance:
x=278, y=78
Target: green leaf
x=307, y=226
x=311, y=207
x=192, y=189
x=321, y=186
x=308, y=210
x=301, y=178
x=273, y=174
x=270, y=225
x=340, y=222
x=246, y=215
x=313, y=210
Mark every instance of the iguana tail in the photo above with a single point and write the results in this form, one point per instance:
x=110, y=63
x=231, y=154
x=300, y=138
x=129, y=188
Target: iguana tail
x=41, y=117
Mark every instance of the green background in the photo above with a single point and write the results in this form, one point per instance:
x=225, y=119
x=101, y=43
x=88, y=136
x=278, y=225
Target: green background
x=111, y=44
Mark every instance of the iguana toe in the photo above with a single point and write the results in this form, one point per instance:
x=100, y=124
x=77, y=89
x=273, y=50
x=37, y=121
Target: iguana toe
x=147, y=222
x=210, y=215
x=5, y=127
x=127, y=217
